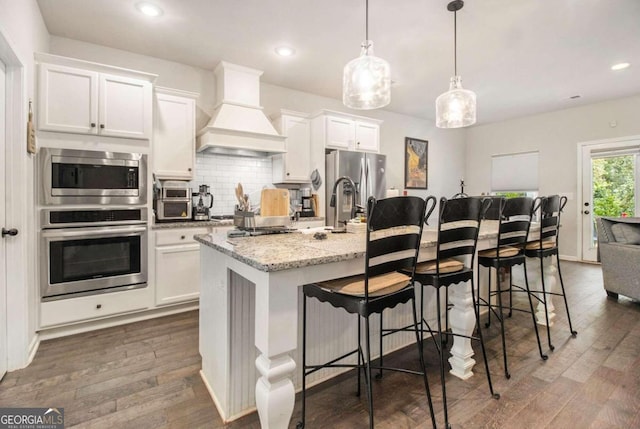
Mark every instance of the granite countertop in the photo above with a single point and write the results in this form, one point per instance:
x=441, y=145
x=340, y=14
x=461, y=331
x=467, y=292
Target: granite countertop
x=192, y=224
x=217, y=222
x=295, y=250
x=278, y=252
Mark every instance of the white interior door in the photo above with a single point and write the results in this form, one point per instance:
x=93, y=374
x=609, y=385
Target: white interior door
x=610, y=185
x=3, y=270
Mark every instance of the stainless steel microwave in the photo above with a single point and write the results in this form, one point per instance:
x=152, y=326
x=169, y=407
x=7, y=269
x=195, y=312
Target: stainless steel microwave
x=91, y=177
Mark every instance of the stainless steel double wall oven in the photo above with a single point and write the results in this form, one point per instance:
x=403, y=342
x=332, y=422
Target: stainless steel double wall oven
x=93, y=222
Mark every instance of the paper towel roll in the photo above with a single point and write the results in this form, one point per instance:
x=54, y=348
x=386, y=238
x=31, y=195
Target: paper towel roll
x=392, y=193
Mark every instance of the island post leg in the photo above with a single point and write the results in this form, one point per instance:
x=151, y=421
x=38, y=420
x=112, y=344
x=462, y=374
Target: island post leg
x=535, y=280
x=462, y=319
x=276, y=330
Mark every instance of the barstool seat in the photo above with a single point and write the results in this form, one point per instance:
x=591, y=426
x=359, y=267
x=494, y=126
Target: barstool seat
x=446, y=266
x=537, y=245
x=503, y=252
x=378, y=285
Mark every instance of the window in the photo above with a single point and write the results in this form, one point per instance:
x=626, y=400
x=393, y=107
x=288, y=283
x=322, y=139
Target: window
x=515, y=175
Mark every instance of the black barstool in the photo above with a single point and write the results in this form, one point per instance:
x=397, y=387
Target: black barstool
x=514, y=218
x=394, y=229
x=458, y=227
x=546, y=246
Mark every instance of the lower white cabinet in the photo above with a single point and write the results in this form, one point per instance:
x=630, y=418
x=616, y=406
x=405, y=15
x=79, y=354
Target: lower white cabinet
x=93, y=307
x=177, y=265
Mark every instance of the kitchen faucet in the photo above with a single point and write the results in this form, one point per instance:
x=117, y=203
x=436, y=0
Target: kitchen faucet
x=354, y=207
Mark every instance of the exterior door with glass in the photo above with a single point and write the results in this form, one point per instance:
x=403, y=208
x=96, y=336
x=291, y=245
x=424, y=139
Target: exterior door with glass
x=610, y=184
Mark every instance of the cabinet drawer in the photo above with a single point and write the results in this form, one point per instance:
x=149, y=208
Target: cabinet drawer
x=90, y=307
x=178, y=236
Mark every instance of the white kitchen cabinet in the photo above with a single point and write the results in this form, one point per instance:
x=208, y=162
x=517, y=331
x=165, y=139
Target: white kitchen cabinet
x=93, y=307
x=294, y=165
x=367, y=136
x=341, y=132
x=337, y=130
x=174, y=134
x=177, y=265
x=85, y=98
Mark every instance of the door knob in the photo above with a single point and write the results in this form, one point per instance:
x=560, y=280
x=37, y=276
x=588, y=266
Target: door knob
x=12, y=232
x=586, y=212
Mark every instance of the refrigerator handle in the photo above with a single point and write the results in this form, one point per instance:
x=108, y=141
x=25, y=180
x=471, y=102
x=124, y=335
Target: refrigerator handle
x=362, y=185
x=369, y=179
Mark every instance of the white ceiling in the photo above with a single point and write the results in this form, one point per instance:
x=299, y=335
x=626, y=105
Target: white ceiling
x=521, y=57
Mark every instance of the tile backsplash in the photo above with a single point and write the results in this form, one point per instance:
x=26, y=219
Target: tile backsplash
x=223, y=172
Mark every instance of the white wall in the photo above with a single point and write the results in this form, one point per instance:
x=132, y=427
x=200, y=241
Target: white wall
x=556, y=136
x=22, y=27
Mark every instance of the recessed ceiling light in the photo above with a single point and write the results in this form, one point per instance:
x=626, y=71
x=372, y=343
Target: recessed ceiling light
x=620, y=66
x=285, y=51
x=149, y=9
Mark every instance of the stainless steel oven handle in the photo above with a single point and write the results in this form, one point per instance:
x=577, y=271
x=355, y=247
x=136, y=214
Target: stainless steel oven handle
x=106, y=231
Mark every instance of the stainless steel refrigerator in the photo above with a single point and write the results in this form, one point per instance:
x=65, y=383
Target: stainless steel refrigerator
x=366, y=170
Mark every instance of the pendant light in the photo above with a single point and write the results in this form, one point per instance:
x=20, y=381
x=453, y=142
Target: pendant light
x=366, y=81
x=457, y=107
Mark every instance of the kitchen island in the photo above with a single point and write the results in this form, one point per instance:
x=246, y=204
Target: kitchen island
x=250, y=296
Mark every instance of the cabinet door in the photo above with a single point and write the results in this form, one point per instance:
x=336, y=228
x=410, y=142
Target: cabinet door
x=125, y=107
x=174, y=137
x=67, y=99
x=340, y=132
x=298, y=156
x=177, y=273
x=367, y=136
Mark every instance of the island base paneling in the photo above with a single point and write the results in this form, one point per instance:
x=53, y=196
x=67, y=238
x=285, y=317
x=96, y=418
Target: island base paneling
x=331, y=332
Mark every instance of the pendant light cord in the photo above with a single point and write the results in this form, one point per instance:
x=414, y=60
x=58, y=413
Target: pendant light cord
x=455, y=44
x=366, y=19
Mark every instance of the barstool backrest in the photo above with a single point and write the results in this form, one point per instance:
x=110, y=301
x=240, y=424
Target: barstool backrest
x=458, y=228
x=551, y=208
x=394, y=230
x=515, y=219
x=493, y=212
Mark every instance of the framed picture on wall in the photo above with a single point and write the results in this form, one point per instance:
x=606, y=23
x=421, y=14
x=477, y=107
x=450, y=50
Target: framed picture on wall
x=415, y=163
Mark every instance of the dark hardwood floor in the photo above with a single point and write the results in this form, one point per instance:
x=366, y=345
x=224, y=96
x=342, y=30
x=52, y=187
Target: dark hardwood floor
x=145, y=375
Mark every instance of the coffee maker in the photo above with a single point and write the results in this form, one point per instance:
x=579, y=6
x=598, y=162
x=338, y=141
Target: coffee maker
x=201, y=211
x=308, y=209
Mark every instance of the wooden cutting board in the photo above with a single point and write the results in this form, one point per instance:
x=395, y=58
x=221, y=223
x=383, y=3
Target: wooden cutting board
x=274, y=202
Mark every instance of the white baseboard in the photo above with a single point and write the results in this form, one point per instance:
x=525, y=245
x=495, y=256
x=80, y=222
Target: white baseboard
x=570, y=258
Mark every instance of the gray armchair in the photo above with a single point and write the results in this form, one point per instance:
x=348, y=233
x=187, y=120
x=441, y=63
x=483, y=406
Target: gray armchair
x=619, y=252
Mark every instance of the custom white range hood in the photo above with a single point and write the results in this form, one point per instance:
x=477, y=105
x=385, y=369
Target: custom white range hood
x=238, y=125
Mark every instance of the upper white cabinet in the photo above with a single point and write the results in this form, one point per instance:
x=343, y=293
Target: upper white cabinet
x=86, y=98
x=174, y=134
x=367, y=136
x=294, y=165
x=349, y=132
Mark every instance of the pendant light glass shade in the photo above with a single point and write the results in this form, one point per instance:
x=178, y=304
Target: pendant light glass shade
x=457, y=107
x=366, y=81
